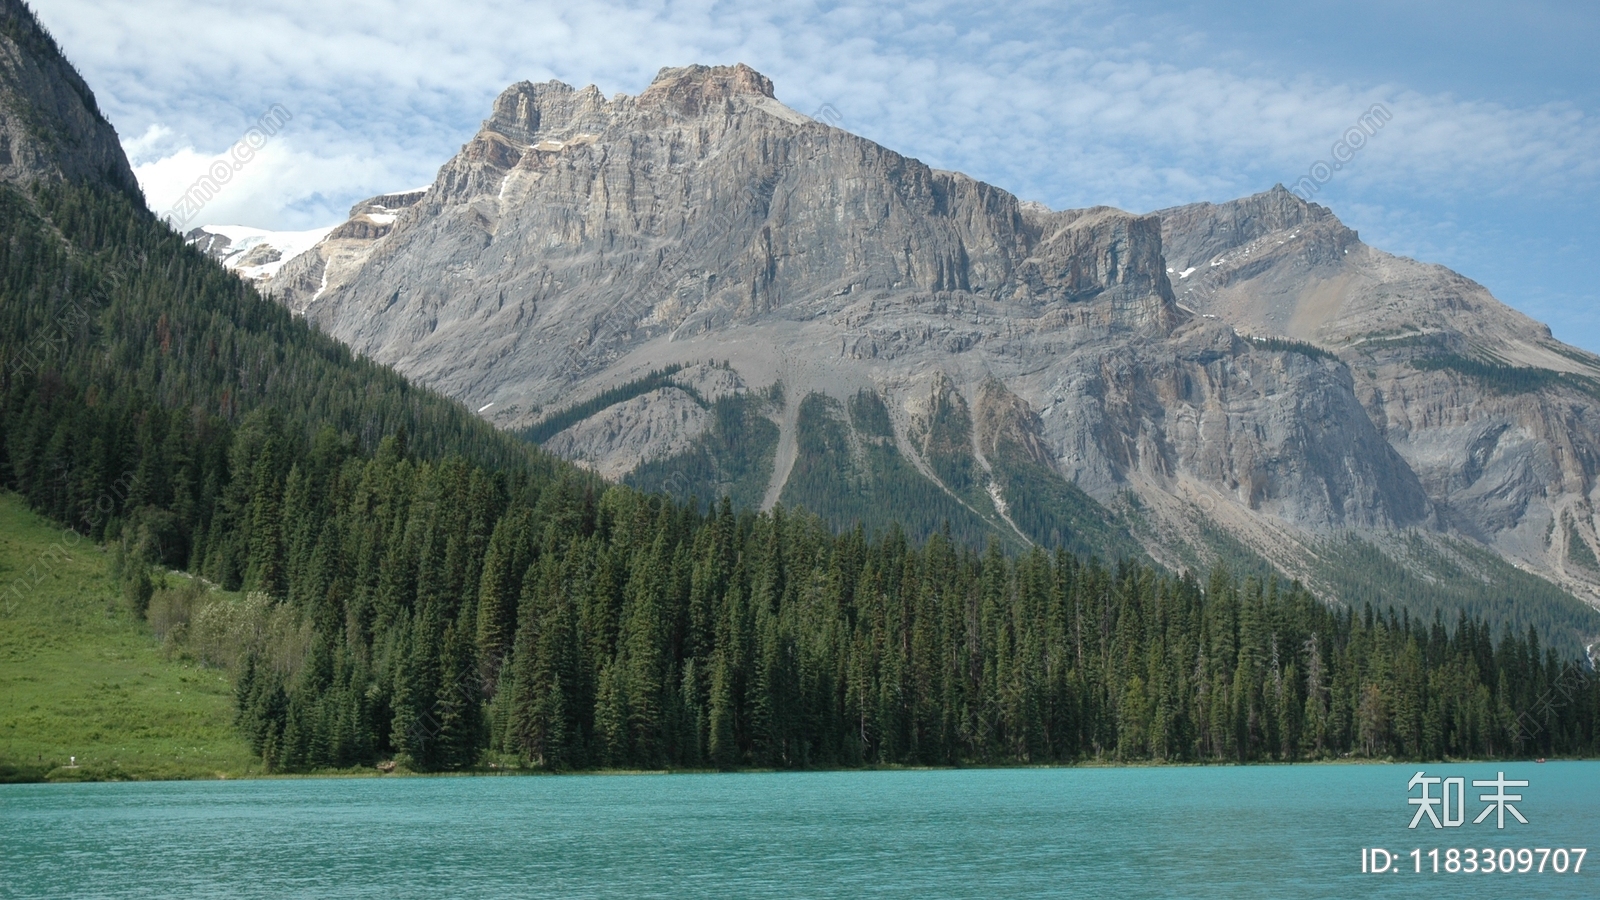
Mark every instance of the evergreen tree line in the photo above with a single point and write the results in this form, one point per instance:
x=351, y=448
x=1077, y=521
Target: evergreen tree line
x=107, y=313
x=561, y=627
x=451, y=610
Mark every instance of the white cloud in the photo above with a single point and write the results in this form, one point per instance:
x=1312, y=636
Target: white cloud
x=151, y=145
x=1063, y=106
x=278, y=182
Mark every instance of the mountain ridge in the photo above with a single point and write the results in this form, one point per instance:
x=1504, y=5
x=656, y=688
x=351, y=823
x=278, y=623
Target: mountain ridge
x=51, y=127
x=1445, y=371
x=422, y=592
x=1197, y=368
x=894, y=276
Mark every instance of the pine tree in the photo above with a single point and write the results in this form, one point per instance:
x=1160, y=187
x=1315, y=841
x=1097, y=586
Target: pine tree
x=459, y=707
x=504, y=563
x=266, y=571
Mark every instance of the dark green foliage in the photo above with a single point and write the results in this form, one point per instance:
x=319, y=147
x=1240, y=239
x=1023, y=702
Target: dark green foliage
x=733, y=459
x=151, y=400
x=1494, y=376
x=856, y=476
x=558, y=422
x=948, y=450
x=1229, y=552
x=1285, y=345
x=1475, y=582
x=137, y=587
x=1578, y=551
x=110, y=316
x=1055, y=512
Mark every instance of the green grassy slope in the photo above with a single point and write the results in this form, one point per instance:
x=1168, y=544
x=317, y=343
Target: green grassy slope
x=81, y=676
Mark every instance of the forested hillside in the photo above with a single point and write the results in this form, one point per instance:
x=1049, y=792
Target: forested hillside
x=623, y=631
x=415, y=586
x=429, y=590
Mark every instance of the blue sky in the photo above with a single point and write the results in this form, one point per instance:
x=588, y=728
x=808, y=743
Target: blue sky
x=1490, y=165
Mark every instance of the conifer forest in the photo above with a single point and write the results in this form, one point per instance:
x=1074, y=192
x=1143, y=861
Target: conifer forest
x=421, y=588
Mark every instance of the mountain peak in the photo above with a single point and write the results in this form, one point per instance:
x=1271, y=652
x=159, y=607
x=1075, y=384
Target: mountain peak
x=735, y=79
x=691, y=89
x=582, y=249
x=50, y=127
x=525, y=109
x=1198, y=233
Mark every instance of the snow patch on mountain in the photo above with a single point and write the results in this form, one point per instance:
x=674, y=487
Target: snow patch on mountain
x=254, y=253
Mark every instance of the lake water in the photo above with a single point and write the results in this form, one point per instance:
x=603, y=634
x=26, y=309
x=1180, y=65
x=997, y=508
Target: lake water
x=1259, y=831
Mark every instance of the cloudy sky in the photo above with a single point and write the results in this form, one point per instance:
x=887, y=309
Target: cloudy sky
x=1490, y=164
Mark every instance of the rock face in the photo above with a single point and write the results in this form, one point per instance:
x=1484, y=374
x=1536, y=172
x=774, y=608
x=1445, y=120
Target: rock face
x=303, y=278
x=1499, y=421
x=573, y=226
x=938, y=331
x=50, y=127
x=254, y=254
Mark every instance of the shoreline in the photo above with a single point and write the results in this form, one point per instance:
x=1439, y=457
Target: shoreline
x=10, y=775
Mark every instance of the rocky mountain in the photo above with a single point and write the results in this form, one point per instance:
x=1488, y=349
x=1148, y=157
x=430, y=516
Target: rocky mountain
x=702, y=290
x=298, y=276
x=1499, y=421
x=254, y=254
x=50, y=126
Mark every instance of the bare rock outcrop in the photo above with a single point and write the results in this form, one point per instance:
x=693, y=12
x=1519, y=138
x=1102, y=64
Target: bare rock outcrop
x=50, y=126
x=620, y=438
x=1198, y=360
x=1499, y=421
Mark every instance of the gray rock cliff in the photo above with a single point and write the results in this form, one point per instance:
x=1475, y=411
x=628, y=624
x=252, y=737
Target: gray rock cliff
x=1499, y=421
x=579, y=242
x=50, y=126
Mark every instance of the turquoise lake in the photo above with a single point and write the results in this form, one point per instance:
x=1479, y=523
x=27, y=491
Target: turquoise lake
x=1256, y=831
